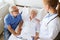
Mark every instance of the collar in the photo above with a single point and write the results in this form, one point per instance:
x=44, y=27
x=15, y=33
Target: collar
x=53, y=16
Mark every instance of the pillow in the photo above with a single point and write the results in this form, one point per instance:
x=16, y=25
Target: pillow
x=25, y=13
x=20, y=9
x=41, y=14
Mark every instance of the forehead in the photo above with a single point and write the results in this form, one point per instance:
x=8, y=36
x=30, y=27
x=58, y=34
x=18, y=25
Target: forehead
x=14, y=7
x=33, y=12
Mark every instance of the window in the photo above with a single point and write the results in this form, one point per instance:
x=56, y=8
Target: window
x=1, y=1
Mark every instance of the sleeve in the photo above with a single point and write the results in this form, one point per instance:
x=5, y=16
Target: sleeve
x=53, y=30
x=6, y=21
x=37, y=28
x=20, y=17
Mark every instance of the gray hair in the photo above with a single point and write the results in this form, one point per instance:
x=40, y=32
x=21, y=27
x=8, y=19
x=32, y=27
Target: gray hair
x=35, y=10
x=10, y=9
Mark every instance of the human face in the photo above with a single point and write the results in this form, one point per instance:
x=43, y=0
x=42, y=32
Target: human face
x=46, y=6
x=33, y=14
x=15, y=12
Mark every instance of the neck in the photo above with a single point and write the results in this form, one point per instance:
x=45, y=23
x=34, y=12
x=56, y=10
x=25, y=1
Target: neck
x=52, y=11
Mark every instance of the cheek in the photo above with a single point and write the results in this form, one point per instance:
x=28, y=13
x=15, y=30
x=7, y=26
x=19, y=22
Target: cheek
x=14, y=14
x=46, y=8
x=33, y=14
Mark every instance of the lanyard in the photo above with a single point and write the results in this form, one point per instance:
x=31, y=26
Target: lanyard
x=51, y=20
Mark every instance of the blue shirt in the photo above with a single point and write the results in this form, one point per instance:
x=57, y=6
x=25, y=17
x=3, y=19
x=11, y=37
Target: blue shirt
x=12, y=21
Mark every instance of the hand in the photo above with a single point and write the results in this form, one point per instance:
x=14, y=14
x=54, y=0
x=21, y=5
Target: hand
x=19, y=31
x=16, y=34
x=36, y=37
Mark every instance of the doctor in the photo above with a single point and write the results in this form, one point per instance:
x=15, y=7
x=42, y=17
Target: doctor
x=49, y=26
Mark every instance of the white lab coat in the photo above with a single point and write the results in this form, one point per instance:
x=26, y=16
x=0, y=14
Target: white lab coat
x=28, y=30
x=49, y=31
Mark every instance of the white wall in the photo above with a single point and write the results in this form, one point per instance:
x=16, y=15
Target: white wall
x=34, y=3
x=11, y=2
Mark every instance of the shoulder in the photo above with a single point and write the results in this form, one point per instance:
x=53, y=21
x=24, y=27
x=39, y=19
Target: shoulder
x=57, y=19
x=55, y=22
x=7, y=16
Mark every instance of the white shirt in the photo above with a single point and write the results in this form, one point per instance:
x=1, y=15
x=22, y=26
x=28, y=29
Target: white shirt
x=29, y=28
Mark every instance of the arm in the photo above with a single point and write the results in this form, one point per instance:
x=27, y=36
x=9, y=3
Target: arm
x=20, y=27
x=12, y=31
x=7, y=22
x=18, y=31
x=53, y=30
x=20, y=24
x=36, y=37
x=37, y=30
